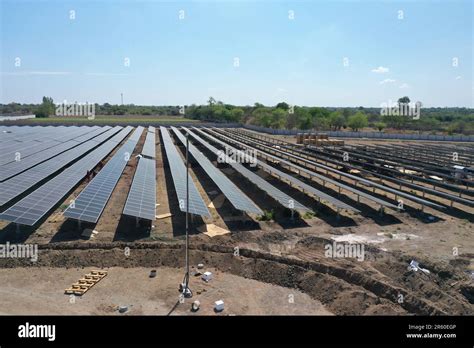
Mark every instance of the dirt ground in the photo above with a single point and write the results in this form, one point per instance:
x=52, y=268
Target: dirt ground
x=40, y=291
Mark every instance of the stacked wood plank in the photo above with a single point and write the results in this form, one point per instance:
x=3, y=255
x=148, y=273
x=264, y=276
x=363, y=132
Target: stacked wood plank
x=316, y=139
x=86, y=283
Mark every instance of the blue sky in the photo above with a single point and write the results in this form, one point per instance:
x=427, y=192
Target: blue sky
x=177, y=61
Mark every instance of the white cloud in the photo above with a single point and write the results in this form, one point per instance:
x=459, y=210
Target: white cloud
x=381, y=70
x=458, y=77
x=387, y=81
x=404, y=85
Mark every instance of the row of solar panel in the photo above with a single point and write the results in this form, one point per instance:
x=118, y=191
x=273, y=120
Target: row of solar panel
x=293, y=159
x=281, y=197
x=238, y=199
x=20, y=183
x=19, y=134
x=90, y=203
x=25, y=162
x=296, y=182
x=141, y=200
x=181, y=177
x=25, y=149
x=34, y=207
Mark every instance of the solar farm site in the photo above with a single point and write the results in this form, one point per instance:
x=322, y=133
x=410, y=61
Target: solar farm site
x=276, y=226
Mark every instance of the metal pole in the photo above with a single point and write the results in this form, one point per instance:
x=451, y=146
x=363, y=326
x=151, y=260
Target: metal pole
x=187, y=292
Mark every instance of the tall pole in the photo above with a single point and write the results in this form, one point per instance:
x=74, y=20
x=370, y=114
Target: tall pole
x=187, y=291
x=121, y=97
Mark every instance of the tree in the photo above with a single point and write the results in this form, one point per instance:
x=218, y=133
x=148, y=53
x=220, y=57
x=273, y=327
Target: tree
x=262, y=117
x=380, y=126
x=426, y=124
x=403, y=100
x=336, y=120
x=292, y=120
x=357, y=121
x=278, y=118
x=283, y=106
x=346, y=113
x=46, y=108
x=237, y=114
x=211, y=101
x=220, y=113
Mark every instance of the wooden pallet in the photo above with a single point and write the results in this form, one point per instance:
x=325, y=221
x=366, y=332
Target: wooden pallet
x=85, y=283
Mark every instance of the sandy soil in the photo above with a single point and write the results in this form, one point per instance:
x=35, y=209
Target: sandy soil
x=40, y=291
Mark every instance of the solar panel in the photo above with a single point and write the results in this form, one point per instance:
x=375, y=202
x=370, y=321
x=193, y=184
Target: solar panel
x=262, y=184
x=33, y=207
x=149, y=146
x=90, y=203
x=178, y=172
x=27, y=161
x=32, y=147
x=28, y=134
x=341, y=173
x=302, y=185
x=238, y=199
x=20, y=183
x=141, y=200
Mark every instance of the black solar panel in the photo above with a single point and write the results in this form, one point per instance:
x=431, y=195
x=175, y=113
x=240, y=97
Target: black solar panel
x=281, y=197
x=141, y=200
x=178, y=172
x=149, y=146
x=29, y=160
x=238, y=199
x=90, y=203
x=20, y=183
x=31, y=147
x=337, y=203
x=33, y=207
x=341, y=173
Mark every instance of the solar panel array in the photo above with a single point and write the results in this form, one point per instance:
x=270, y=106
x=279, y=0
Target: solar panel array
x=141, y=200
x=33, y=207
x=281, y=197
x=341, y=173
x=24, y=135
x=238, y=199
x=20, y=183
x=48, y=141
x=178, y=172
x=28, y=160
x=306, y=187
x=149, y=146
x=90, y=203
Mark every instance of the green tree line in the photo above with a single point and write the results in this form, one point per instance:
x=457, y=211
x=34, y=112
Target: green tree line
x=284, y=116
